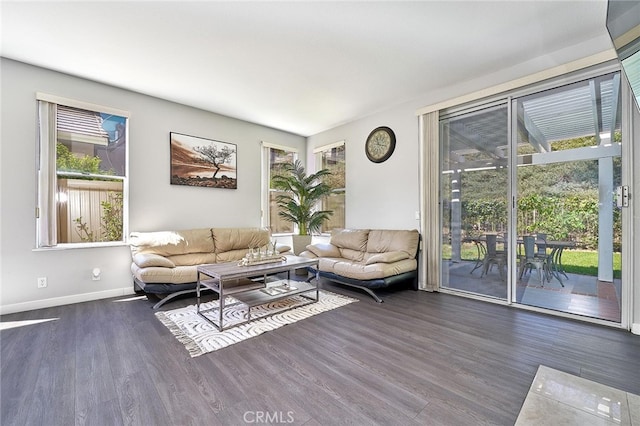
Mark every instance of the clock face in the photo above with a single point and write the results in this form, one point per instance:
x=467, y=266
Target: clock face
x=380, y=144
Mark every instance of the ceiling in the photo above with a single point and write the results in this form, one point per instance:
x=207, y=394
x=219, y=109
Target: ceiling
x=302, y=67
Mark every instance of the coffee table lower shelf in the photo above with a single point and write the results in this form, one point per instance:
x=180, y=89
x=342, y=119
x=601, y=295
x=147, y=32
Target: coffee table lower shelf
x=252, y=297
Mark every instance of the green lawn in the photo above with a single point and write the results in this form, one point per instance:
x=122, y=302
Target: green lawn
x=580, y=262
x=586, y=262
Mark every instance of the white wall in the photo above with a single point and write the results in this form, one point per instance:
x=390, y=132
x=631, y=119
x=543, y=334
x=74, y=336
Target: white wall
x=154, y=203
x=379, y=195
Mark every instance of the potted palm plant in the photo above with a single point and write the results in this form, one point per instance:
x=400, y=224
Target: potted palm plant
x=299, y=202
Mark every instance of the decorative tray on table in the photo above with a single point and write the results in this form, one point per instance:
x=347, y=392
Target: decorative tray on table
x=260, y=260
x=259, y=256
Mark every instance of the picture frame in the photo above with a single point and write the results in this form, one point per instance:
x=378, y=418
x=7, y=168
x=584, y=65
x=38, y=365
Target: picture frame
x=197, y=161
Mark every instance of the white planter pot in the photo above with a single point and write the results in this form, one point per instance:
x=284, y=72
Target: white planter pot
x=300, y=243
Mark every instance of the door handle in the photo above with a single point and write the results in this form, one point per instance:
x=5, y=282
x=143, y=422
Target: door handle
x=622, y=196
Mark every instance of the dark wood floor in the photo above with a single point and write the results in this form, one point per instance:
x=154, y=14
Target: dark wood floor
x=418, y=358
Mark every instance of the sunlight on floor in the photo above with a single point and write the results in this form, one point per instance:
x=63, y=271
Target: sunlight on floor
x=15, y=324
x=131, y=299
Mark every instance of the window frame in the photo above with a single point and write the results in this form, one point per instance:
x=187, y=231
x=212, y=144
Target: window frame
x=317, y=152
x=47, y=176
x=265, y=184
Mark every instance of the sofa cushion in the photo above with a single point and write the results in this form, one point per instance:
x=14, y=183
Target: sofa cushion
x=146, y=260
x=389, y=240
x=193, y=259
x=169, y=243
x=354, y=239
x=324, y=250
x=231, y=255
x=230, y=239
x=361, y=271
x=177, y=275
x=351, y=243
x=327, y=264
x=282, y=248
x=389, y=257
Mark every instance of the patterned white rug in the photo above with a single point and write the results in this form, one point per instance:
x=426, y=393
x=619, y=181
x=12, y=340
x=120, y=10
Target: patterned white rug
x=199, y=336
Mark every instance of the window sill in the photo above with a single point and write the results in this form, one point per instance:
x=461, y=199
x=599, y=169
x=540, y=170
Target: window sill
x=72, y=246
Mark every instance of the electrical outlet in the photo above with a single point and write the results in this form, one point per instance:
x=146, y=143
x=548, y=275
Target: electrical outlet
x=42, y=282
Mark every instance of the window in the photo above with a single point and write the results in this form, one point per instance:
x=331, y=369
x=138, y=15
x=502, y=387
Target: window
x=332, y=157
x=82, y=174
x=273, y=158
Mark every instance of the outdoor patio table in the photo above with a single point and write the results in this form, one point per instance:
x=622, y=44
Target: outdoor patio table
x=481, y=248
x=554, y=267
x=555, y=257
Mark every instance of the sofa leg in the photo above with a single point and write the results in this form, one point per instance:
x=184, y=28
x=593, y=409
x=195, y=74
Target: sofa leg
x=171, y=296
x=372, y=294
x=137, y=289
x=368, y=290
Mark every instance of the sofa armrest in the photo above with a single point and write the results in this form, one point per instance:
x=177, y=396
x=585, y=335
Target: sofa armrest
x=324, y=250
x=388, y=257
x=308, y=255
x=146, y=260
x=282, y=248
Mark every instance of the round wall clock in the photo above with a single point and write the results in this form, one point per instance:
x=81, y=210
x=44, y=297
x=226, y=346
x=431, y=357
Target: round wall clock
x=380, y=144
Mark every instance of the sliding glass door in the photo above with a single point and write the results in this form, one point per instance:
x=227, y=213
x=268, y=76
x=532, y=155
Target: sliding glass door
x=568, y=166
x=474, y=191
x=527, y=196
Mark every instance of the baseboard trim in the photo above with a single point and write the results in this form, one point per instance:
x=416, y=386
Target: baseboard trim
x=65, y=300
x=635, y=328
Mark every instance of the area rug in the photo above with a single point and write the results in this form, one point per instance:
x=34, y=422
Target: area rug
x=199, y=336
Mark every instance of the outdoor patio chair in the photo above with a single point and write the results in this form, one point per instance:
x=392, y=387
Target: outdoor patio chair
x=541, y=245
x=493, y=257
x=532, y=259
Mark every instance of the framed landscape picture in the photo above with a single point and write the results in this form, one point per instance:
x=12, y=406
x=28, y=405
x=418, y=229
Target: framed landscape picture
x=203, y=162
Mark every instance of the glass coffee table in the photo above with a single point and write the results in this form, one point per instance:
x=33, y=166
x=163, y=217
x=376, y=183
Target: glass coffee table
x=253, y=285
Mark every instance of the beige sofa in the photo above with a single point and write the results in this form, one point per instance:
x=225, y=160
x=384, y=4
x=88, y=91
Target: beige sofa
x=368, y=259
x=165, y=263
